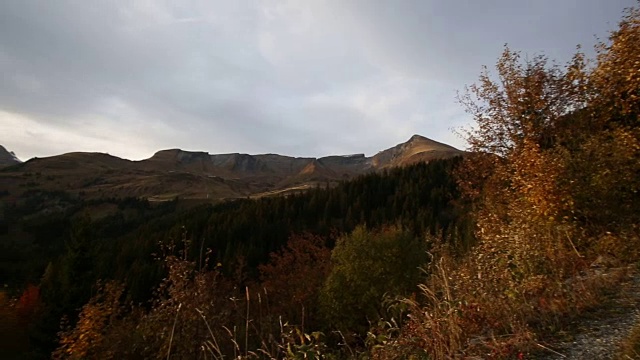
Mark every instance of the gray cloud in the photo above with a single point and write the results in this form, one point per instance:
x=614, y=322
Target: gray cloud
x=302, y=78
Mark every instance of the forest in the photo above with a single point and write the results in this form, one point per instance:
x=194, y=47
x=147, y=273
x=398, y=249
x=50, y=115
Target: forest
x=236, y=239
x=481, y=255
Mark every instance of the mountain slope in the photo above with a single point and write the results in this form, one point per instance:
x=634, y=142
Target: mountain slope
x=418, y=148
x=7, y=158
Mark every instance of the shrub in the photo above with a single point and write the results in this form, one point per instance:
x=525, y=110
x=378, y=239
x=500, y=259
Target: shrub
x=366, y=265
x=293, y=278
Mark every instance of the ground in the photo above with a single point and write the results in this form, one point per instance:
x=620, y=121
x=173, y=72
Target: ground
x=598, y=333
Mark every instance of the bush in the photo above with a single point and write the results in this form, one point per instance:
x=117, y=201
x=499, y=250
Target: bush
x=366, y=266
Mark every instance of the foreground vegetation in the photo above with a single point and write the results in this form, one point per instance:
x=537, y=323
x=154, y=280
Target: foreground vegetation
x=387, y=266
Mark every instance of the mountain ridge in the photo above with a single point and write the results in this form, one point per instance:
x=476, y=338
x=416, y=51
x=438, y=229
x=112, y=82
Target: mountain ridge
x=174, y=173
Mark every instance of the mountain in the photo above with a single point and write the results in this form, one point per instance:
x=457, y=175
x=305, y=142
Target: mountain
x=7, y=157
x=200, y=175
x=418, y=148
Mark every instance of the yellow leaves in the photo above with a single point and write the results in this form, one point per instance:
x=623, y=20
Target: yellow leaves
x=617, y=77
x=82, y=340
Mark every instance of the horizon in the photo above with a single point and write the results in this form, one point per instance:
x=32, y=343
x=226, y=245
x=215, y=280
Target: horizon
x=240, y=153
x=303, y=80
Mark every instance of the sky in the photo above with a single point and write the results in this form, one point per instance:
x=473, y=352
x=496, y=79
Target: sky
x=299, y=78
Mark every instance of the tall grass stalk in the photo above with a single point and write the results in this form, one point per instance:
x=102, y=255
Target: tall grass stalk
x=173, y=328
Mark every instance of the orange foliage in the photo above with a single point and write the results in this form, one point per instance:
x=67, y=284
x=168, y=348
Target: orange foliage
x=28, y=302
x=16, y=316
x=294, y=276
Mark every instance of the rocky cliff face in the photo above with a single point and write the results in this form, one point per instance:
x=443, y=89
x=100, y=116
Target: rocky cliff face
x=417, y=148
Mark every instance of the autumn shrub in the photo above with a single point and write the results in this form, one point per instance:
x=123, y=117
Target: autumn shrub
x=198, y=312
x=554, y=182
x=606, y=166
x=495, y=301
x=187, y=302
x=17, y=314
x=366, y=265
x=292, y=280
x=605, y=186
x=432, y=329
x=173, y=323
x=100, y=329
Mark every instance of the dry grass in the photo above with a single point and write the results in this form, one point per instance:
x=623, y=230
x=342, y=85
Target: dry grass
x=500, y=299
x=630, y=346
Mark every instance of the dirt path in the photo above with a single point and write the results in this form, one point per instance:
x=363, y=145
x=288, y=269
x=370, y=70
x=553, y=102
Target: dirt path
x=598, y=334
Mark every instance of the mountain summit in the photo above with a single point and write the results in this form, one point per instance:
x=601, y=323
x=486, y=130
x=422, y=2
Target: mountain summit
x=195, y=174
x=418, y=148
x=8, y=158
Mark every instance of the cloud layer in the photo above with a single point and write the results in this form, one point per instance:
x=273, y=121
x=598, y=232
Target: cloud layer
x=305, y=78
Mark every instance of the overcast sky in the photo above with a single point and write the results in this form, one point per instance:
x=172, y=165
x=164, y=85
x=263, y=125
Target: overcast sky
x=299, y=77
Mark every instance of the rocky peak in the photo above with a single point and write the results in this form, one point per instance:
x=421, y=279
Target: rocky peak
x=417, y=137
x=417, y=148
x=8, y=158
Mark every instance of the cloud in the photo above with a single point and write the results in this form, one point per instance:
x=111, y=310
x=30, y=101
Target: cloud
x=301, y=78
x=93, y=136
